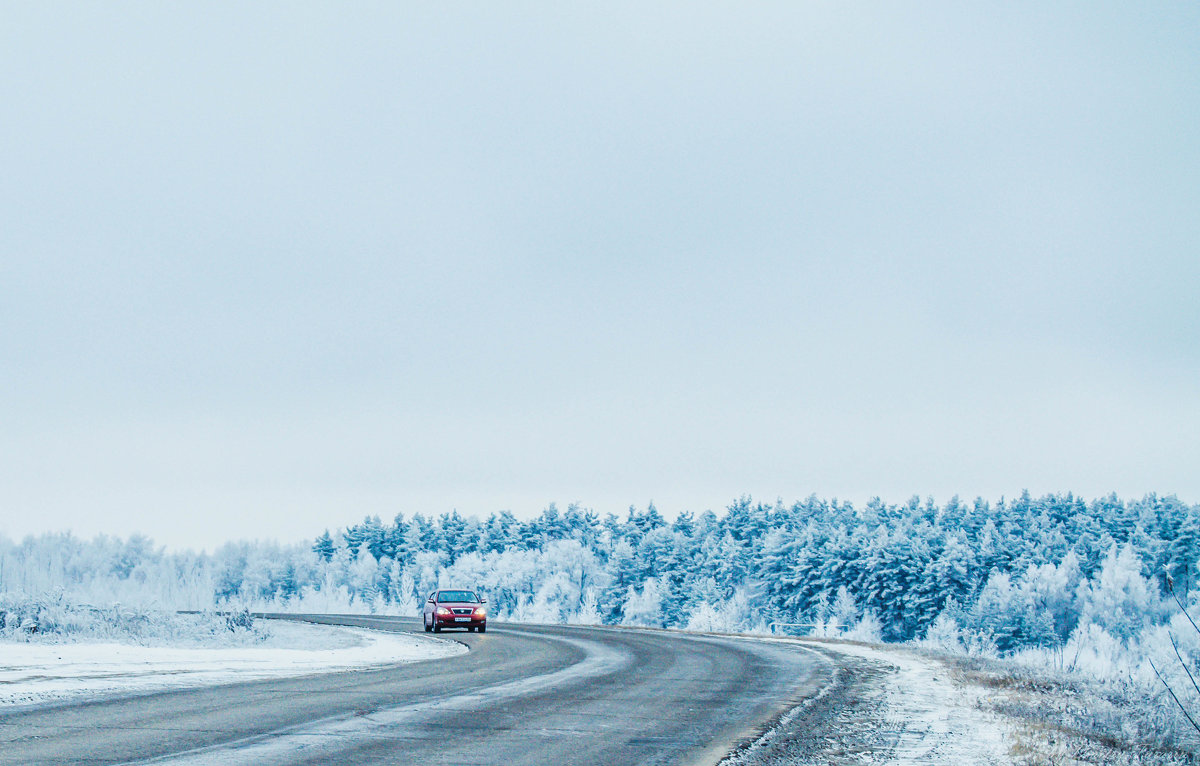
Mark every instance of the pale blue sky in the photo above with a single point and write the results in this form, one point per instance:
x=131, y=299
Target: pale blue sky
x=266, y=270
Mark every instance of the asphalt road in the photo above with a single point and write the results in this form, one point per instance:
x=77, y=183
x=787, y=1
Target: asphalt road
x=522, y=695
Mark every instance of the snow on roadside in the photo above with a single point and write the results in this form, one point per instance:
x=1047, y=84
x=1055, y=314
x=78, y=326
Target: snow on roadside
x=932, y=718
x=33, y=673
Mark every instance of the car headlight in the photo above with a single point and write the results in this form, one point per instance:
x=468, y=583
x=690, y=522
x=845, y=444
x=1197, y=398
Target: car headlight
x=480, y=612
x=443, y=610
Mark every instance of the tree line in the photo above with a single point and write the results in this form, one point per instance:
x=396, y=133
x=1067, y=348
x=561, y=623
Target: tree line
x=1023, y=572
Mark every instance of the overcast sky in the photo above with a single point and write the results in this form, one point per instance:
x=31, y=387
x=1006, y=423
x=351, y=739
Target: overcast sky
x=268, y=269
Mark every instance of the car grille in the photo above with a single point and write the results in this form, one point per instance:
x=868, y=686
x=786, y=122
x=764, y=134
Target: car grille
x=462, y=611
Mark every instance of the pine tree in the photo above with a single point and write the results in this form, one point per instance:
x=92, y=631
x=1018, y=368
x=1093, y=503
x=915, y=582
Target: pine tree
x=623, y=574
x=324, y=547
x=353, y=537
x=373, y=537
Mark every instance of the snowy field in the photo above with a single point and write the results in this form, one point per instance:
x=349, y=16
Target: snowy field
x=33, y=673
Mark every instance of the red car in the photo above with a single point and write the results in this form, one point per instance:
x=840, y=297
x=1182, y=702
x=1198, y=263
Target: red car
x=455, y=609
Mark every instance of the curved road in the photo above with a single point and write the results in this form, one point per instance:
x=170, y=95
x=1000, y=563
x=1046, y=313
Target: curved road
x=523, y=695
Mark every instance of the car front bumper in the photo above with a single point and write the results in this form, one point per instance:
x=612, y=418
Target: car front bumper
x=452, y=621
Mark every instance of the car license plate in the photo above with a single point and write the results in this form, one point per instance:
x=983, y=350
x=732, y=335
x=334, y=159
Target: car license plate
x=462, y=619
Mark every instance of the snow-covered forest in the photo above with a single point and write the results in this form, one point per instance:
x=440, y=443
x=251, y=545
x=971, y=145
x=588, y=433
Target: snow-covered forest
x=996, y=577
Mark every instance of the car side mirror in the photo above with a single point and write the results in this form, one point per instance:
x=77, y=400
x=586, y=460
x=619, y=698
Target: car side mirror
x=482, y=600
x=431, y=601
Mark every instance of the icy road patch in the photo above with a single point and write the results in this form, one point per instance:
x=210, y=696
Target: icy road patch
x=33, y=673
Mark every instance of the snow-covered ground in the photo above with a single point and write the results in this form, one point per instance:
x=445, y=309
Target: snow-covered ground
x=32, y=673
x=933, y=718
x=883, y=705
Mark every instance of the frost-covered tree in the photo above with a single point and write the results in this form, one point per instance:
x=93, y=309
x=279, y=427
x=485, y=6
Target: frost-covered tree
x=324, y=547
x=844, y=613
x=1120, y=599
x=644, y=607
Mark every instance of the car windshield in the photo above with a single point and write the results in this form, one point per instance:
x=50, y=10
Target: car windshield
x=457, y=595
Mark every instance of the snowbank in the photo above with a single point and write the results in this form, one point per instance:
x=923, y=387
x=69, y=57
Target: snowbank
x=32, y=673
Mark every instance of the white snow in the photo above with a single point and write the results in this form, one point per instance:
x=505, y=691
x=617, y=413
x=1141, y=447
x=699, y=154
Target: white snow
x=32, y=673
x=937, y=720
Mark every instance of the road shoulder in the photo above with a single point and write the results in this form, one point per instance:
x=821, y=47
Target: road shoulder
x=884, y=705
